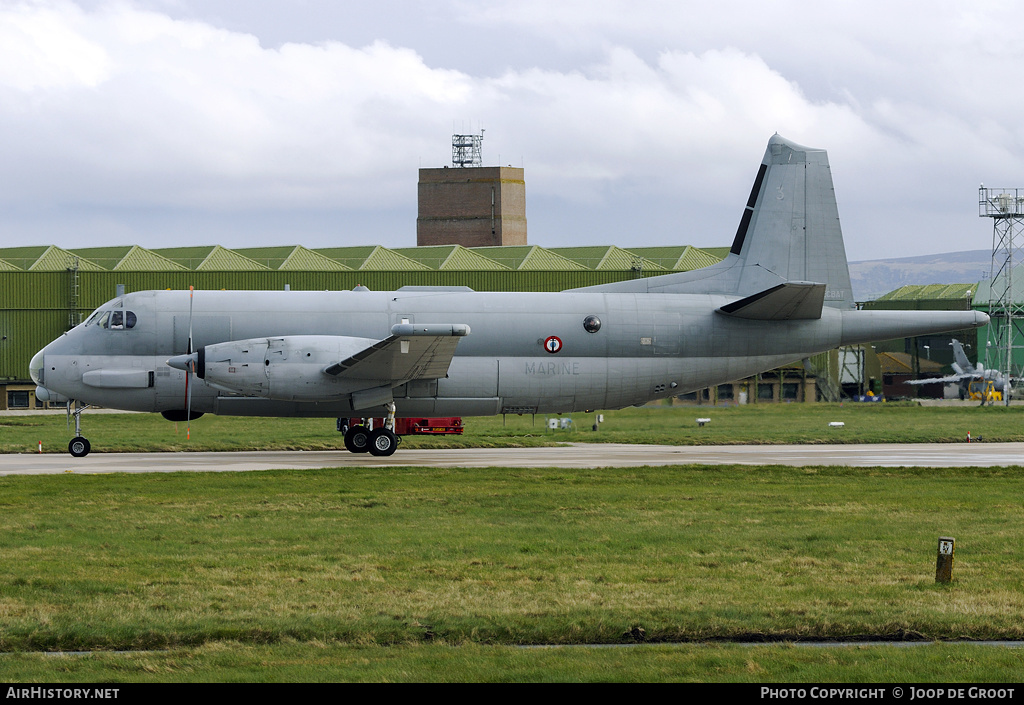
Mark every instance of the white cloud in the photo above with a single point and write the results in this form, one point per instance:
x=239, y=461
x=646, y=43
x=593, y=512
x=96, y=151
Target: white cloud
x=658, y=107
x=185, y=113
x=41, y=49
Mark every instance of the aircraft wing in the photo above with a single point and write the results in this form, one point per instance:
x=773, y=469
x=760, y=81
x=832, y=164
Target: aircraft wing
x=785, y=302
x=412, y=351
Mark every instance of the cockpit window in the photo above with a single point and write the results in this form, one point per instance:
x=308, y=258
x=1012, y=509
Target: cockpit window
x=118, y=320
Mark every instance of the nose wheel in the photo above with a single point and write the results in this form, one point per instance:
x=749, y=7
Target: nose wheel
x=79, y=446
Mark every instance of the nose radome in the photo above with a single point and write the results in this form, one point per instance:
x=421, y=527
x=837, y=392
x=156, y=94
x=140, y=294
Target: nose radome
x=35, y=368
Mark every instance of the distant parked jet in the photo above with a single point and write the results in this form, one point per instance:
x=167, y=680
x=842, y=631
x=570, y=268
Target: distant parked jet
x=972, y=379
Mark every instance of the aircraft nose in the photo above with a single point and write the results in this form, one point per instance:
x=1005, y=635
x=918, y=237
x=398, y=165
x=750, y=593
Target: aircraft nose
x=35, y=368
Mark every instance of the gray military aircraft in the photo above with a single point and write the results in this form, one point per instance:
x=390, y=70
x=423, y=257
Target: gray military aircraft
x=782, y=294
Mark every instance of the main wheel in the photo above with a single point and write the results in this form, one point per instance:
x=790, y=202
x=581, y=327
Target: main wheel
x=357, y=439
x=79, y=447
x=383, y=442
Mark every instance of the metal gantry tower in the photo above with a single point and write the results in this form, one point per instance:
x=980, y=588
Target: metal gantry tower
x=1005, y=206
x=466, y=150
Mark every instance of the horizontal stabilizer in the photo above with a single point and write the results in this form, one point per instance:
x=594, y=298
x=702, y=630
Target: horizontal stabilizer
x=786, y=302
x=410, y=352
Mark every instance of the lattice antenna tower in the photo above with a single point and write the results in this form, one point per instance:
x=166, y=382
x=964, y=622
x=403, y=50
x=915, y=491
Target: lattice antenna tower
x=1005, y=206
x=466, y=150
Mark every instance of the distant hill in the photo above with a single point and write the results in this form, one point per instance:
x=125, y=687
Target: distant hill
x=873, y=278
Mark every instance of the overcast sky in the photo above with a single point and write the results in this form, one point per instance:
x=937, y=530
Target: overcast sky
x=255, y=122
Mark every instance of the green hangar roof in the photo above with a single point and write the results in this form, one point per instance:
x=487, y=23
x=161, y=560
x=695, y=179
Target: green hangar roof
x=933, y=292
x=372, y=258
x=129, y=258
x=528, y=258
x=927, y=297
x=210, y=258
x=46, y=258
x=450, y=257
x=607, y=257
x=367, y=258
x=294, y=258
x=678, y=259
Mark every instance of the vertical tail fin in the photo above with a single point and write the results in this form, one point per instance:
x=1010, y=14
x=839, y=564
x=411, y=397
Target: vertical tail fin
x=960, y=358
x=790, y=227
x=789, y=232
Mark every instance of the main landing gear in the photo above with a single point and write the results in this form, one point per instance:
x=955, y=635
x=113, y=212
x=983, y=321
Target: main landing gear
x=363, y=437
x=79, y=447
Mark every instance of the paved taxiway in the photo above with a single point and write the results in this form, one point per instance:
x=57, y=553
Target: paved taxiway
x=578, y=455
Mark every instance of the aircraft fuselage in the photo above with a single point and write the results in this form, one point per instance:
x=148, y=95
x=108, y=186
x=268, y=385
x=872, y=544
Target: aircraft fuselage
x=526, y=353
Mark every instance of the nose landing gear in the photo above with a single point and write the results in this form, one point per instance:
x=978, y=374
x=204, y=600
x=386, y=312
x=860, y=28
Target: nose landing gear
x=79, y=447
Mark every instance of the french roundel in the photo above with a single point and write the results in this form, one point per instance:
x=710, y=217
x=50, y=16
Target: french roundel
x=553, y=344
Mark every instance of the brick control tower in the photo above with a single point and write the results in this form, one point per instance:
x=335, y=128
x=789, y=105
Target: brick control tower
x=469, y=204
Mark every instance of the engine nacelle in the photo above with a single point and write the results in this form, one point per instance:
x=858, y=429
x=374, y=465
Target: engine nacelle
x=289, y=368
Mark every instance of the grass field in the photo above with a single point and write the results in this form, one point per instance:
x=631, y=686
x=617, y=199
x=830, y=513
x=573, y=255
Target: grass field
x=313, y=662
x=430, y=575
x=765, y=423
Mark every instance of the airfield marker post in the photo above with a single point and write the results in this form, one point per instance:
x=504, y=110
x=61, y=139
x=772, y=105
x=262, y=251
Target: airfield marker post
x=944, y=562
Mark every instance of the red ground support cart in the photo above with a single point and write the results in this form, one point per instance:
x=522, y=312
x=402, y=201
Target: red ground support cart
x=441, y=426
x=413, y=427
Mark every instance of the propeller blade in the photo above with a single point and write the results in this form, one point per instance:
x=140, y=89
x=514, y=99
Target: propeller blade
x=188, y=403
x=191, y=371
x=191, y=290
